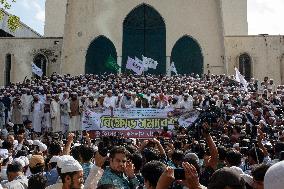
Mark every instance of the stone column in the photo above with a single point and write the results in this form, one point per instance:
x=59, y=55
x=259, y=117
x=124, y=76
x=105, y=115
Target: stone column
x=119, y=62
x=168, y=66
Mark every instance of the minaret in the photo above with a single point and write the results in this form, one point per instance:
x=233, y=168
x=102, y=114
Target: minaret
x=55, y=11
x=234, y=16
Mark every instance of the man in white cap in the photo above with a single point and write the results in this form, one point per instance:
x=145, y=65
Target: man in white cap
x=274, y=177
x=71, y=175
x=2, y=113
x=37, y=113
x=65, y=109
x=55, y=114
x=109, y=100
x=75, y=123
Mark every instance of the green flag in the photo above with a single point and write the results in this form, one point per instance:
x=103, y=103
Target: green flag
x=111, y=64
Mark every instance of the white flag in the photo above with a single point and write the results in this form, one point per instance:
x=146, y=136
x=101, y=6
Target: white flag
x=149, y=63
x=135, y=65
x=241, y=79
x=173, y=68
x=36, y=70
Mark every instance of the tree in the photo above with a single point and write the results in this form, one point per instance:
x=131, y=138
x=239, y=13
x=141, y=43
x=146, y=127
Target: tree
x=13, y=21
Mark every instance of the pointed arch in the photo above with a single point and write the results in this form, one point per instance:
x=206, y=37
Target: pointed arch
x=97, y=54
x=144, y=33
x=282, y=68
x=187, y=56
x=245, y=66
x=8, y=66
x=41, y=61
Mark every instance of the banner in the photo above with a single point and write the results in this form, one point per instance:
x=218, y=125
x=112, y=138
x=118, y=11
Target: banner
x=241, y=79
x=173, y=68
x=149, y=63
x=36, y=70
x=135, y=65
x=134, y=123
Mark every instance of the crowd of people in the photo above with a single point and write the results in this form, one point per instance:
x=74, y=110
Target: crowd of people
x=237, y=142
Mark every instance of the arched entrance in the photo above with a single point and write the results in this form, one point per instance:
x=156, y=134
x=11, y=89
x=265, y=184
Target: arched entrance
x=98, y=53
x=41, y=62
x=282, y=69
x=8, y=65
x=144, y=33
x=245, y=66
x=187, y=56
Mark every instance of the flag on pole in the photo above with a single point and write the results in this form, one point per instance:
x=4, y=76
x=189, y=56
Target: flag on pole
x=173, y=68
x=149, y=63
x=111, y=64
x=241, y=79
x=135, y=65
x=36, y=70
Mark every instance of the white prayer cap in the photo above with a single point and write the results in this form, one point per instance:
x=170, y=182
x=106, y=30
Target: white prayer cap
x=70, y=166
x=55, y=159
x=236, y=145
x=36, y=143
x=4, y=153
x=20, y=161
x=30, y=142
x=25, y=160
x=274, y=177
x=63, y=159
x=232, y=121
x=10, y=124
x=239, y=120
x=42, y=147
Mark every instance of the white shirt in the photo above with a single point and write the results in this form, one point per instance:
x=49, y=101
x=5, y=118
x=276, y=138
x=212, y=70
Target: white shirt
x=109, y=102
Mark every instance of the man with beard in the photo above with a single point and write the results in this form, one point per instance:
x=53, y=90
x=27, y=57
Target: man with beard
x=37, y=113
x=64, y=111
x=26, y=99
x=16, y=116
x=2, y=113
x=74, y=113
x=55, y=114
x=71, y=175
x=127, y=101
x=120, y=173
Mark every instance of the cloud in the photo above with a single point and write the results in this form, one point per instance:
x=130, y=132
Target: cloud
x=264, y=16
x=35, y=6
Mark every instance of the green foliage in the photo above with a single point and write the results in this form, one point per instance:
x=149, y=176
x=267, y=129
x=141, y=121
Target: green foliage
x=13, y=21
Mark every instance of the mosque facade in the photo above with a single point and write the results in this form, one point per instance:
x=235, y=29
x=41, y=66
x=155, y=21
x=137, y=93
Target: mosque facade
x=199, y=36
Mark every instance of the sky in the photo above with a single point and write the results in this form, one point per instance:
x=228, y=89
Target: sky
x=264, y=16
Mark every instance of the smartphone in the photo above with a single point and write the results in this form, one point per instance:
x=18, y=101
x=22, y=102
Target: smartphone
x=179, y=174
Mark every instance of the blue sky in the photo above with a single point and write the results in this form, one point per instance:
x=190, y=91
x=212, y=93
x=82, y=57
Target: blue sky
x=264, y=16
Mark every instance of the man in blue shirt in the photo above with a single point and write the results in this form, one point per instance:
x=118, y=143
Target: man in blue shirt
x=120, y=173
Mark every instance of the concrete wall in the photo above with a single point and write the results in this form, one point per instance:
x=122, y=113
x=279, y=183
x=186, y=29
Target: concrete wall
x=55, y=11
x=234, y=14
x=87, y=19
x=266, y=52
x=23, y=51
x=23, y=31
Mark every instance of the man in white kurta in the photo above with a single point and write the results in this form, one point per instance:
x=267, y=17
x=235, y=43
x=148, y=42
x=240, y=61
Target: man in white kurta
x=109, y=101
x=26, y=100
x=37, y=114
x=75, y=117
x=64, y=113
x=55, y=114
